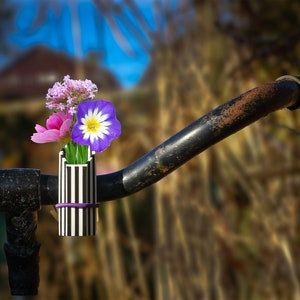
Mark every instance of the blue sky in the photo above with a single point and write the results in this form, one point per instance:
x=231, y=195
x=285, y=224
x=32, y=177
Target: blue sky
x=96, y=35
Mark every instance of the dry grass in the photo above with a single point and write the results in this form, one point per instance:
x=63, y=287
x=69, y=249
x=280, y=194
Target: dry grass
x=223, y=226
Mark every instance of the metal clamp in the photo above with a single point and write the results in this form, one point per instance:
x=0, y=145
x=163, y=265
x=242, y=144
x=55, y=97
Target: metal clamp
x=20, y=199
x=293, y=79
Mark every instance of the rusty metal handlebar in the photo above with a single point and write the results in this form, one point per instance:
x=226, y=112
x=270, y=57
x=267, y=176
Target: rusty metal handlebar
x=192, y=140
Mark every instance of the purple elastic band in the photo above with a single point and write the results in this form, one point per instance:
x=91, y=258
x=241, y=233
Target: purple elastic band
x=77, y=205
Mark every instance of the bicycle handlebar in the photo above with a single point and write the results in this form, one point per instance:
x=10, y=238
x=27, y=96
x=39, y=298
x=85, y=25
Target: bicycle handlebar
x=213, y=127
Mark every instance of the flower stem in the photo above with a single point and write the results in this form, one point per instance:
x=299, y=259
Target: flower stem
x=76, y=154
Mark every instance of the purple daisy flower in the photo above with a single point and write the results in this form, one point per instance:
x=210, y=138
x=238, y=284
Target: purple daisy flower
x=96, y=125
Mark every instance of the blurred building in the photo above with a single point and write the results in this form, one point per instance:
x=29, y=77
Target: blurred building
x=36, y=70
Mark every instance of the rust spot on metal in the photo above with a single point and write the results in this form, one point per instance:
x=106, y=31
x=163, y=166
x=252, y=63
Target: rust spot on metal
x=162, y=168
x=251, y=106
x=158, y=164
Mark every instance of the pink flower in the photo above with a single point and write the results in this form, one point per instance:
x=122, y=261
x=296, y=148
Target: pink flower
x=58, y=128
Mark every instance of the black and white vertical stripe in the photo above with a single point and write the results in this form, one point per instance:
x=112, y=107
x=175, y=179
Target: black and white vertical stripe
x=77, y=184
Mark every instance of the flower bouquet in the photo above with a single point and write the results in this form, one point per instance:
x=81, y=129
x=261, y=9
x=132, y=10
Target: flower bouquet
x=83, y=126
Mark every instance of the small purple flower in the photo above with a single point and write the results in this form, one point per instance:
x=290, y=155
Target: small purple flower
x=72, y=110
x=50, y=105
x=67, y=95
x=61, y=107
x=96, y=125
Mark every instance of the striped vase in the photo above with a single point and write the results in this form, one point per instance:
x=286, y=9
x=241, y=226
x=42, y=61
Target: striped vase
x=77, y=197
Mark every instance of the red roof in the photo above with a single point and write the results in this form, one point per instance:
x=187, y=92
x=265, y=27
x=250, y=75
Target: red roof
x=36, y=70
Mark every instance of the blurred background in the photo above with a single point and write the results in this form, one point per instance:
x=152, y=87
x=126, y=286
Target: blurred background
x=223, y=226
